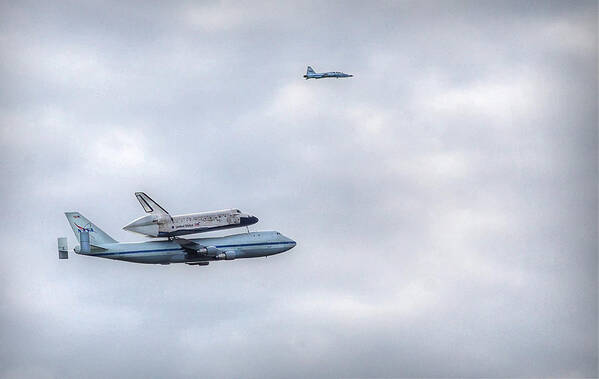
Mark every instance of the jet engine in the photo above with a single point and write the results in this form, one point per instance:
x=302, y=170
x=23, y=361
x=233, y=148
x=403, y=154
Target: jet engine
x=212, y=251
x=227, y=255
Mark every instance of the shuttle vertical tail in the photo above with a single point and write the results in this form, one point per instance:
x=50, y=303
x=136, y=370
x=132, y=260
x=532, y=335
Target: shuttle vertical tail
x=80, y=224
x=149, y=205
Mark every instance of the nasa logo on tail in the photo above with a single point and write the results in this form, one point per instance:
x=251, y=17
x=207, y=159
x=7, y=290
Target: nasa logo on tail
x=82, y=229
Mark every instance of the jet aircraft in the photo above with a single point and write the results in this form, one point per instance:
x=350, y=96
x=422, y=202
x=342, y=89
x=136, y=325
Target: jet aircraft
x=159, y=223
x=310, y=74
x=94, y=242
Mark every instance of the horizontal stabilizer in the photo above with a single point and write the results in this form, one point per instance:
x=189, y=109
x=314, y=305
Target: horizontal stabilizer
x=63, y=249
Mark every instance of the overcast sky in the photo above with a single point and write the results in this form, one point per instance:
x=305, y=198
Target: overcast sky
x=444, y=199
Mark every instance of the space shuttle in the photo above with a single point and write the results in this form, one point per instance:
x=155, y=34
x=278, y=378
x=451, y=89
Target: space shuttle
x=159, y=223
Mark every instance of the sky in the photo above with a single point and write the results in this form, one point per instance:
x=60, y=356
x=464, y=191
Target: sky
x=444, y=199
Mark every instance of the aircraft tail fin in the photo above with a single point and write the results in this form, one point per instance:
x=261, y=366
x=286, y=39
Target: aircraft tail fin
x=81, y=224
x=310, y=71
x=149, y=205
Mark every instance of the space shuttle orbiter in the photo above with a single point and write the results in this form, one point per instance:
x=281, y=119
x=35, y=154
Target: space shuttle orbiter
x=159, y=223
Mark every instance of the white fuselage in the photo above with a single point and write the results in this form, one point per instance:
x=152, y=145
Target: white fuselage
x=170, y=226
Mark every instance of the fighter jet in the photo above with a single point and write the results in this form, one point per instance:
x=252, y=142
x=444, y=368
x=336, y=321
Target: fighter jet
x=310, y=74
x=94, y=242
x=159, y=223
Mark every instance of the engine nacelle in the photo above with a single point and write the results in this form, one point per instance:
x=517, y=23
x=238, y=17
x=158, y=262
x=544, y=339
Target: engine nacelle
x=227, y=255
x=212, y=251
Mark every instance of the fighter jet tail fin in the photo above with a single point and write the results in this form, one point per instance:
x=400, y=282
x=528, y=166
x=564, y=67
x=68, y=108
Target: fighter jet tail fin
x=310, y=70
x=81, y=224
x=149, y=205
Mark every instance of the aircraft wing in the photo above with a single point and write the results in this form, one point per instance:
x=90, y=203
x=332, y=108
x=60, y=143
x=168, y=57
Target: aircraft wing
x=190, y=246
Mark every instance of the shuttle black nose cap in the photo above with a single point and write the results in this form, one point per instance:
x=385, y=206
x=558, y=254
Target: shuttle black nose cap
x=250, y=220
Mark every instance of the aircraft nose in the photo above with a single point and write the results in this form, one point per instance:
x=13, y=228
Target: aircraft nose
x=287, y=243
x=249, y=220
x=292, y=242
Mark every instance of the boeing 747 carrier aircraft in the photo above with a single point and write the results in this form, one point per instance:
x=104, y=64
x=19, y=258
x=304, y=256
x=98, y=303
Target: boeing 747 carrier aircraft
x=94, y=242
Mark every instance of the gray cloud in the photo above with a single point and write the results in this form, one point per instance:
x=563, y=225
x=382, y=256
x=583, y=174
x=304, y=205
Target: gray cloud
x=444, y=199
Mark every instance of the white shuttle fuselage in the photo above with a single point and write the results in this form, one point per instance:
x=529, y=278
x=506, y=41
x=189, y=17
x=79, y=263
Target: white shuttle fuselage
x=159, y=223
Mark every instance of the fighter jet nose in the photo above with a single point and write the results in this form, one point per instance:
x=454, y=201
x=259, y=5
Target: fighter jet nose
x=254, y=219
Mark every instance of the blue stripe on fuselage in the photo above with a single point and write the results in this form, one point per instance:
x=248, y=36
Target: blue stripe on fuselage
x=178, y=248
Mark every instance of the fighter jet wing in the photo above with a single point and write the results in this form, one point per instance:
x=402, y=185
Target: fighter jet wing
x=190, y=246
